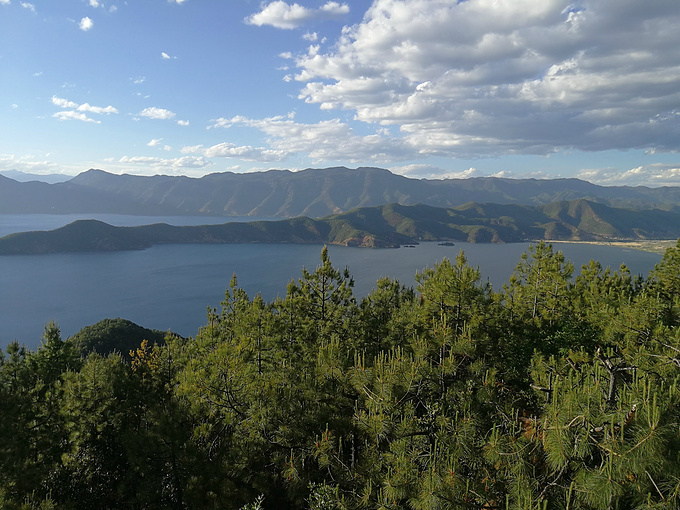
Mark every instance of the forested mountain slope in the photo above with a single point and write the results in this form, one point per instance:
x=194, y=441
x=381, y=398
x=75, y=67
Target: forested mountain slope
x=312, y=192
x=383, y=226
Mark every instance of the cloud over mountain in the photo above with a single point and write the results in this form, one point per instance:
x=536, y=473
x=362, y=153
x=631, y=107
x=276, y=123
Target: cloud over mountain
x=487, y=78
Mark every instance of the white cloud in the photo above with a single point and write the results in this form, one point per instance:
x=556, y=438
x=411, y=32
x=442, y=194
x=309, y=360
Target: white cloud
x=63, y=103
x=335, y=9
x=172, y=165
x=139, y=80
x=154, y=142
x=484, y=77
x=165, y=56
x=97, y=109
x=86, y=24
x=73, y=115
x=28, y=6
x=329, y=140
x=654, y=174
x=420, y=171
x=76, y=110
x=183, y=122
x=312, y=37
x=280, y=14
x=157, y=113
x=246, y=153
x=94, y=3
x=4, y=2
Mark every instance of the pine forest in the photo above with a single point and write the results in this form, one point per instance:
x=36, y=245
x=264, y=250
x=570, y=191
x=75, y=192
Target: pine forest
x=557, y=391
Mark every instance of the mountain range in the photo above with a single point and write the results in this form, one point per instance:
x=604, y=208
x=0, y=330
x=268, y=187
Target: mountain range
x=389, y=225
x=313, y=193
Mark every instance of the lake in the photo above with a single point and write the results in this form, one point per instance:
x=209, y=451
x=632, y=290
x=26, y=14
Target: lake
x=169, y=287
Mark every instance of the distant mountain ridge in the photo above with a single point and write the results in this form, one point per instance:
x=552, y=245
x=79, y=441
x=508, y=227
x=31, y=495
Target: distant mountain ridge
x=382, y=226
x=28, y=177
x=313, y=192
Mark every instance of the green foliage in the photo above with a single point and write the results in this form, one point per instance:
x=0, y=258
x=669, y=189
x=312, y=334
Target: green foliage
x=554, y=392
x=114, y=335
x=384, y=226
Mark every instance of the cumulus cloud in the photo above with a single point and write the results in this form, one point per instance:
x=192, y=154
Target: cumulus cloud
x=280, y=14
x=173, y=165
x=487, y=78
x=653, y=174
x=78, y=111
x=328, y=140
x=154, y=142
x=86, y=24
x=63, y=103
x=94, y=3
x=244, y=152
x=28, y=6
x=182, y=122
x=165, y=56
x=73, y=115
x=422, y=171
x=157, y=113
x=97, y=109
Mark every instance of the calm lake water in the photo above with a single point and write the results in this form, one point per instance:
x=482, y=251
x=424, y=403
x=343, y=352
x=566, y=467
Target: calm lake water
x=170, y=287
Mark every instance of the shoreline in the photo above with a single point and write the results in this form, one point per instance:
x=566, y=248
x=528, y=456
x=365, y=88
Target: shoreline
x=648, y=245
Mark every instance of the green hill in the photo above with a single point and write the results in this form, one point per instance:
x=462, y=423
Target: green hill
x=384, y=226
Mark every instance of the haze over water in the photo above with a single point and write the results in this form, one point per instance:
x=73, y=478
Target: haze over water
x=170, y=287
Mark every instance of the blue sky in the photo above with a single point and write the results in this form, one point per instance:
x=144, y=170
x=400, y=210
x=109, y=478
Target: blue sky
x=426, y=88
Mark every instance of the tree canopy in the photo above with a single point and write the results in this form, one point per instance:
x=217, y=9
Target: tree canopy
x=556, y=391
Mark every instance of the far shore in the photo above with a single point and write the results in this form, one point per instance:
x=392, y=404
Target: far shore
x=650, y=245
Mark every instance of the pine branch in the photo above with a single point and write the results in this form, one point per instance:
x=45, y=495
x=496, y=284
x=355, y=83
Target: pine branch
x=654, y=483
x=554, y=482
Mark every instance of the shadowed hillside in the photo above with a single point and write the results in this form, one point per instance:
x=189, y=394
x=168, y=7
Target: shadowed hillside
x=313, y=192
x=384, y=226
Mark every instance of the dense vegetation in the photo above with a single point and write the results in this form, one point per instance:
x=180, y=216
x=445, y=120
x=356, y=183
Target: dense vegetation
x=382, y=226
x=556, y=391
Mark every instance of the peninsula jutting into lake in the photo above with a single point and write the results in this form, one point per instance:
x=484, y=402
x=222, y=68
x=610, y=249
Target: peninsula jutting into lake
x=387, y=226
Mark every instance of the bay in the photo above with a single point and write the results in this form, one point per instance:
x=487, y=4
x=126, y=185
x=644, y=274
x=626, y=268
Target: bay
x=169, y=287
